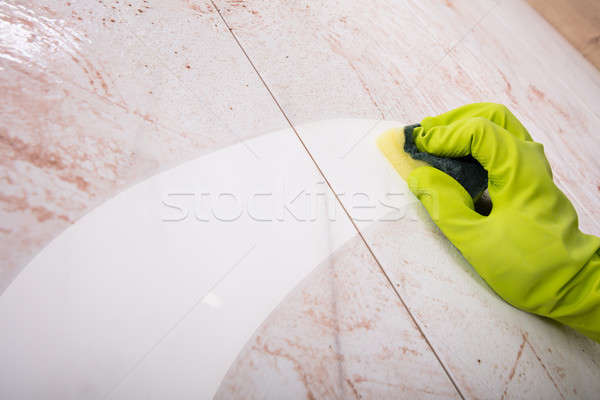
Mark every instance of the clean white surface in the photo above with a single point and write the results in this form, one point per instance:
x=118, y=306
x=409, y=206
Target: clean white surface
x=141, y=299
x=346, y=150
x=186, y=362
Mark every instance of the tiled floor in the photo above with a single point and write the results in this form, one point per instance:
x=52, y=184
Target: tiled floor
x=332, y=338
x=167, y=234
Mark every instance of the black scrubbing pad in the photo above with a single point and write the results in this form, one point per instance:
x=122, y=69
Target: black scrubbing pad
x=466, y=170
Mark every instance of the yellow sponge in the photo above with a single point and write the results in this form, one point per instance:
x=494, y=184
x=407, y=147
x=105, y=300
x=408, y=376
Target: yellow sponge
x=391, y=144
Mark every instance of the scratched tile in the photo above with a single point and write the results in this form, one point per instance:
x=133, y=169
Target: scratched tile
x=334, y=338
x=335, y=59
x=98, y=95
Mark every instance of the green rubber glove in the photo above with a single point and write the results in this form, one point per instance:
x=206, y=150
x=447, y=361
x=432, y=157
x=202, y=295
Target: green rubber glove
x=529, y=248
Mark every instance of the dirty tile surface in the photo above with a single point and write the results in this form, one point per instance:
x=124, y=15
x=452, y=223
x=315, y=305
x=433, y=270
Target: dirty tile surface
x=101, y=95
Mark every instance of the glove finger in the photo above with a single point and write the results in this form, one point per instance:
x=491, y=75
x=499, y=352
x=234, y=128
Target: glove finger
x=449, y=205
x=493, y=112
x=495, y=149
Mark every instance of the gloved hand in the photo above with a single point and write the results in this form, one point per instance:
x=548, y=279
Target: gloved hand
x=529, y=248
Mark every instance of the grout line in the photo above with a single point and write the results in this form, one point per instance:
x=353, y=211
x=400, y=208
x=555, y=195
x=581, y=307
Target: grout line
x=410, y=314
x=351, y=149
x=453, y=46
x=543, y=366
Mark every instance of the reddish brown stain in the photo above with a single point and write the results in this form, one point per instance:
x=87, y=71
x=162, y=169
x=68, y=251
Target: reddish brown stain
x=200, y=7
x=560, y=372
x=322, y=319
x=364, y=323
x=236, y=3
x=386, y=353
x=511, y=373
x=538, y=95
x=508, y=88
x=36, y=153
x=463, y=80
x=304, y=377
x=406, y=350
x=48, y=137
x=41, y=213
x=354, y=391
x=144, y=116
x=544, y=367
x=79, y=181
x=519, y=354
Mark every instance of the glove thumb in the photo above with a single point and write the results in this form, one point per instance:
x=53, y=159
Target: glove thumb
x=448, y=203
